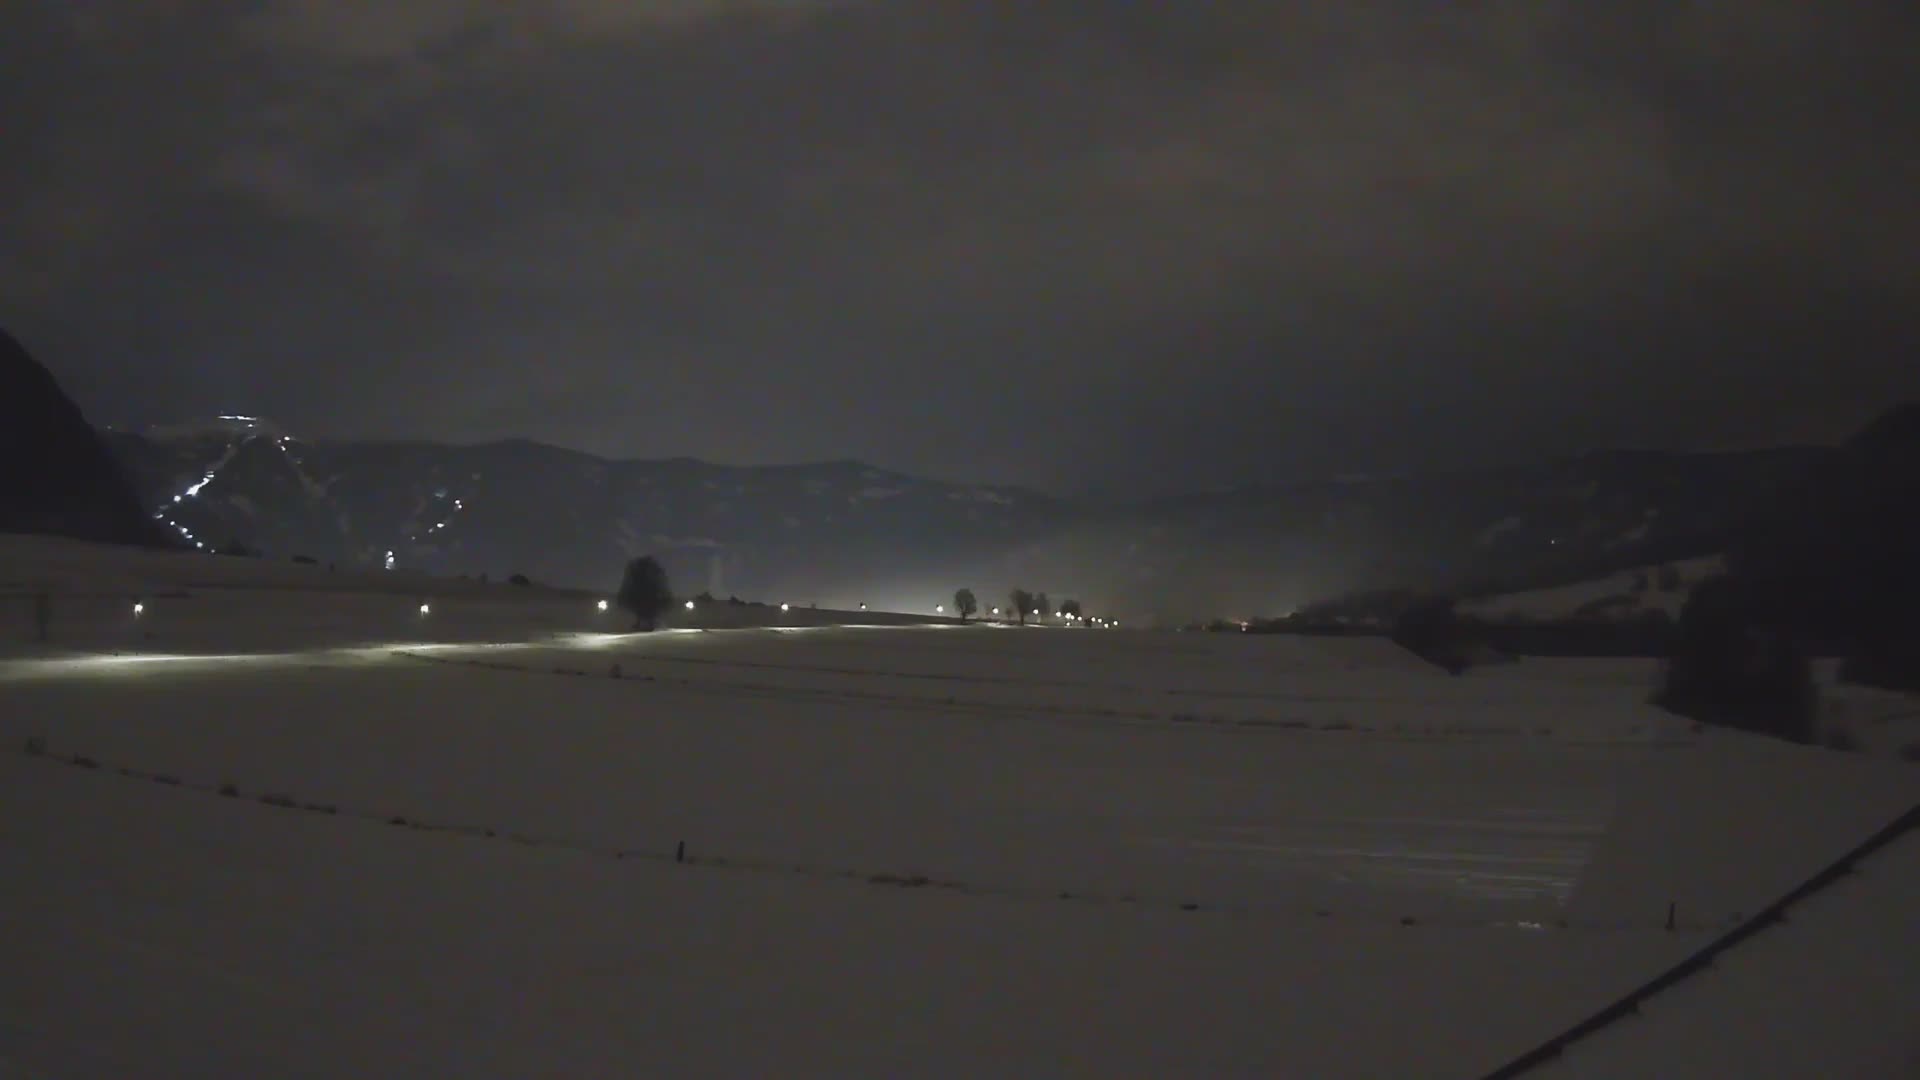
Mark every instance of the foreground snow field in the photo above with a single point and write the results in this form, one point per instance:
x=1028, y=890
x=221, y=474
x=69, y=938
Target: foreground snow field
x=909, y=849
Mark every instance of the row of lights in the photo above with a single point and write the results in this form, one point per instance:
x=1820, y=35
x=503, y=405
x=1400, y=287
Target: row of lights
x=426, y=609
x=192, y=491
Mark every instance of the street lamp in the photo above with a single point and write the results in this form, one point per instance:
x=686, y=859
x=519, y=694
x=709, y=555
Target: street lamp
x=602, y=605
x=426, y=609
x=689, y=605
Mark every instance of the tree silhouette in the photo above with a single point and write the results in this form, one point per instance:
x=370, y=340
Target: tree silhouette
x=1040, y=606
x=1070, y=608
x=1022, y=603
x=965, y=604
x=644, y=592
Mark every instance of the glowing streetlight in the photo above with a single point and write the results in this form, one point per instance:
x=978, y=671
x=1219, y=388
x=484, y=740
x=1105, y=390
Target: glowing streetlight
x=602, y=605
x=996, y=611
x=689, y=605
x=863, y=607
x=426, y=609
x=786, y=607
x=939, y=609
x=139, y=609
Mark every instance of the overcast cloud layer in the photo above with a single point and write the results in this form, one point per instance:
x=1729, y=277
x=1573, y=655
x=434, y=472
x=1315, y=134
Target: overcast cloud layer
x=1083, y=245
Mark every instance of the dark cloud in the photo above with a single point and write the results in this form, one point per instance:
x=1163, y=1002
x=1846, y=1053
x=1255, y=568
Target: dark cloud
x=1075, y=244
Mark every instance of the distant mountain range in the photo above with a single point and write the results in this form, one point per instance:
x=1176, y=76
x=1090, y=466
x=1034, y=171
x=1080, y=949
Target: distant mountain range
x=843, y=532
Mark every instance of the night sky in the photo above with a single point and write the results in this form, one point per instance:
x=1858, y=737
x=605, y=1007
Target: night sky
x=1116, y=247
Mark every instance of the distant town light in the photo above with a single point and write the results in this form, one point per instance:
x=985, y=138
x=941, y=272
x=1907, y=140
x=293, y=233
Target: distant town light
x=863, y=607
x=426, y=609
x=689, y=605
x=602, y=605
x=139, y=609
x=996, y=611
x=786, y=607
x=939, y=609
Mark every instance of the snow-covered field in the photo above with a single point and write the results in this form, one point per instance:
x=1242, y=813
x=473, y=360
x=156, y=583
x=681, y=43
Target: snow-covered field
x=909, y=849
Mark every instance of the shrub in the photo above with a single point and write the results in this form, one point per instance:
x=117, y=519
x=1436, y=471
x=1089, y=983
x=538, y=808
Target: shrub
x=965, y=603
x=519, y=579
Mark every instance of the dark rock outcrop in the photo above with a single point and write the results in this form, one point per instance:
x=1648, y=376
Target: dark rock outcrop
x=56, y=475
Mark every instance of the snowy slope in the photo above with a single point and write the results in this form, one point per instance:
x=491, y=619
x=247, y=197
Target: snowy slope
x=1629, y=594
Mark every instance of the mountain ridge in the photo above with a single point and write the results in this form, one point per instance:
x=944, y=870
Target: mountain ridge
x=844, y=531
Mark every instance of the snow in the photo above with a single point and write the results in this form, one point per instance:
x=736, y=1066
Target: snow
x=916, y=848
x=1813, y=996
x=1616, y=591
